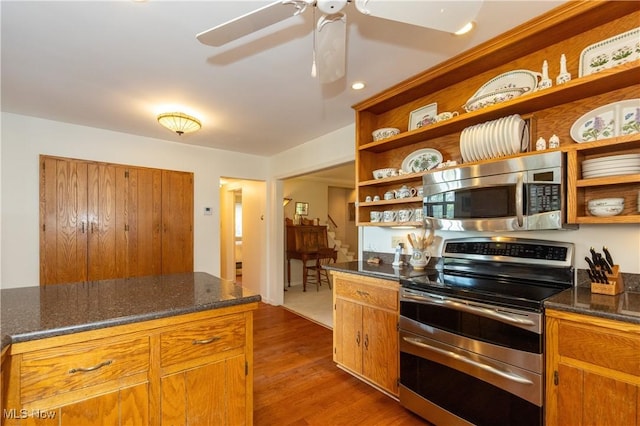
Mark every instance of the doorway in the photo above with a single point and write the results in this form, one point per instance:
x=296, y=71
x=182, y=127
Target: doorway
x=242, y=232
x=327, y=195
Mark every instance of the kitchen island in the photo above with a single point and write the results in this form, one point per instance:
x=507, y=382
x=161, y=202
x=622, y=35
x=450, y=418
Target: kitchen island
x=172, y=349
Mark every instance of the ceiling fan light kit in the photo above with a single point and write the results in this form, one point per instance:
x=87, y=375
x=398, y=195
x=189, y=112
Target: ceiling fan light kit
x=330, y=33
x=179, y=122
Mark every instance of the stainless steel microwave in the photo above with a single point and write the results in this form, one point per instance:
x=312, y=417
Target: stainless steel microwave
x=516, y=194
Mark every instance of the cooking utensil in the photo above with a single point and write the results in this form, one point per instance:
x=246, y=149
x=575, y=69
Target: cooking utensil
x=604, y=264
x=607, y=255
x=594, y=255
x=592, y=266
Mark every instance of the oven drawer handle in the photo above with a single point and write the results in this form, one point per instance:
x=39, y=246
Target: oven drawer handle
x=490, y=313
x=485, y=367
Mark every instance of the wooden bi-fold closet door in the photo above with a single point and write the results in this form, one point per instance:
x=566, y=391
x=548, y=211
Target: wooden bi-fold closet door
x=102, y=221
x=63, y=220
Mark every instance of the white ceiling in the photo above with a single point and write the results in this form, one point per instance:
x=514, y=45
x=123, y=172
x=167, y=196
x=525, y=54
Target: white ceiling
x=113, y=64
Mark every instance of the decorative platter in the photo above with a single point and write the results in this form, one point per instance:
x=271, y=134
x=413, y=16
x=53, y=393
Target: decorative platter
x=608, y=121
x=624, y=47
x=503, y=87
x=423, y=116
x=421, y=160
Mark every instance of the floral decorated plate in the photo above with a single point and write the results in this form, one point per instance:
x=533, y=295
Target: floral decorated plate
x=422, y=160
x=611, y=52
x=502, y=88
x=608, y=121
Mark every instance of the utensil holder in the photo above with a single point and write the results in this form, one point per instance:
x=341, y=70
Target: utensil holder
x=615, y=286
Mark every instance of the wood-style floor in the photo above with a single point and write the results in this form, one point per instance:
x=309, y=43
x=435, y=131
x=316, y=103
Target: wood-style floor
x=296, y=381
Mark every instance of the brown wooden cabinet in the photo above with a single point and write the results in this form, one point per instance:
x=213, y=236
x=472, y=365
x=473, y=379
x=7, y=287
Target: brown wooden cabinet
x=177, y=222
x=593, y=371
x=63, y=220
x=203, y=373
x=189, y=369
x=365, y=332
x=102, y=221
x=567, y=30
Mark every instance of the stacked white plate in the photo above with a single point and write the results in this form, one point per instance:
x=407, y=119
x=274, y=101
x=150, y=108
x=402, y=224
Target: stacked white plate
x=613, y=165
x=493, y=139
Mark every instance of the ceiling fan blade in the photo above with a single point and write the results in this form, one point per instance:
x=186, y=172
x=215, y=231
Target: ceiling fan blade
x=447, y=16
x=331, y=46
x=251, y=22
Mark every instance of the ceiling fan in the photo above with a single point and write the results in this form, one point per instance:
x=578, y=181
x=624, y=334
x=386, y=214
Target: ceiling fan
x=330, y=33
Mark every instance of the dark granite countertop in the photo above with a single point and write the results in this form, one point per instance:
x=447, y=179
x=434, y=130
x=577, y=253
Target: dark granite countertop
x=622, y=307
x=31, y=313
x=382, y=270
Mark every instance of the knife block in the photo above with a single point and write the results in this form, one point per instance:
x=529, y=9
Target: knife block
x=615, y=286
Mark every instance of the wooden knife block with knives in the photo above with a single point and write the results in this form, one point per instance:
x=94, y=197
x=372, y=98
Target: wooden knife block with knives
x=615, y=286
x=605, y=276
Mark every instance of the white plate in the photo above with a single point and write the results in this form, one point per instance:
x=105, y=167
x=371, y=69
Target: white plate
x=611, y=158
x=609, y=53
x=516, y=129
x=476, y=152
x=504, y=146
x=608, y=164
x=612, y=172
x=607, y=121
x=519, y=81
x=422, y=160
x=524, y=143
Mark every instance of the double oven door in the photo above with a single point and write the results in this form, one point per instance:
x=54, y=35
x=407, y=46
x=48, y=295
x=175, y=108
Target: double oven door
x=465, y=362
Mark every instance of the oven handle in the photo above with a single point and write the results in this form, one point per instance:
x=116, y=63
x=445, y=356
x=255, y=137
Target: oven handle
x=507, y=375
x=520, y=200
x=485, y=312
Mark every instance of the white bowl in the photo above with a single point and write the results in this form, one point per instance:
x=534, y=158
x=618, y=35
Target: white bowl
x=384, y=133
x=605, y=202
x=604, y=211
x=383, y=173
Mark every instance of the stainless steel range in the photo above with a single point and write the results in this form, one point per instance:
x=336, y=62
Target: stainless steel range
x=472, y=333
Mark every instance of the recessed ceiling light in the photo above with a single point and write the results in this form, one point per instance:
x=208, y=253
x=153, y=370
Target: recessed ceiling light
x=468, y=27
x=358, y=85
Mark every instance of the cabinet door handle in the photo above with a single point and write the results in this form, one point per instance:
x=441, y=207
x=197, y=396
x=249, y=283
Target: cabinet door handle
x=366, y=341
x=206, y=341
x=87, y=369
x=362, y=292
x=93, y=227
x=358, y=338
x=83, y=226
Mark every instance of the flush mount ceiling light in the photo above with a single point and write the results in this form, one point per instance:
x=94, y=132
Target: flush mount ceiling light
x=179, y=122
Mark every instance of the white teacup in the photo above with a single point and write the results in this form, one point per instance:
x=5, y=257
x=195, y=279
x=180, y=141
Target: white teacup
x=419, y=191
x=405, y=215
x=389, y=216
x=389, y=195
x=418, y=215
x=446, y=116
x=375, y=216
x=368, y=199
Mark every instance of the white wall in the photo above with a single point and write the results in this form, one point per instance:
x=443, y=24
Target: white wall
x=25, y=138
x=622, y=240
x=332, y=149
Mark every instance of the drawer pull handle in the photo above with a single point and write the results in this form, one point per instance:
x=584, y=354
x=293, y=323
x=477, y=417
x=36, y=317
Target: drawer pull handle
x=362, y=293
x=87, y=369
x=206, y=341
